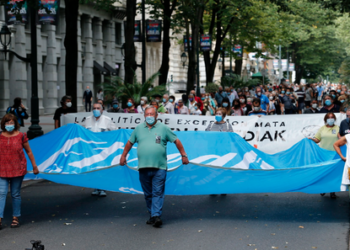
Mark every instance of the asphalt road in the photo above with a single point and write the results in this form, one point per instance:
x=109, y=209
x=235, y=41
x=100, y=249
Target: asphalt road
x=237, y=221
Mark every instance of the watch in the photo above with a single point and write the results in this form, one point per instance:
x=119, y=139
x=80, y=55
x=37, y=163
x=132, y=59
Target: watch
x=184, y=156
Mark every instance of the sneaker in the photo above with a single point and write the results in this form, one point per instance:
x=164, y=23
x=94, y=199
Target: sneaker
x=102, y=193
x=95, y=192
x=157, y=221
x=150, y=221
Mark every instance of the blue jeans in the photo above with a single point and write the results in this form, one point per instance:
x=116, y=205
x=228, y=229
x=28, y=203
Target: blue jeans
x=15, y=185
x=153, y=184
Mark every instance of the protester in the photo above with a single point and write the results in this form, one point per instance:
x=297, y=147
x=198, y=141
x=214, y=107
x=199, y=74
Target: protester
x=220, y=95
x=115, y=107
x=191, y=103
x=246, y=108
x=286, y=102
x=344, y=128
x=143, y=104
x=319, y=94
x=344, y=103
x=220, y=124
x=272, y=108
x=18, y=110
x=226, y=105
x=130, y=106
x=236, y=108
x=100, y=95
x=263, y=99
x=87, y=98
x=313, y=108
x=329, y=106
x=230, y=95
x=152, y=138
x=168, y=105
x=66, y=108
x=308, y=95
x=257, y=110
x=301, y=99
x=197, y=99
x=327, y=135
x=13, y=165
x=335, y=96
x=197, y=110
x=160, y=107
x=182, y=109
x=102, y=103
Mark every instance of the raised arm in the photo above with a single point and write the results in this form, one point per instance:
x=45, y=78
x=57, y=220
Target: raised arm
x=127, y=148
x=338, y=144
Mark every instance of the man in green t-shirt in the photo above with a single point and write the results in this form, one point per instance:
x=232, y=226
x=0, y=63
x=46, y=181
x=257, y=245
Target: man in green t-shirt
x=152, y=138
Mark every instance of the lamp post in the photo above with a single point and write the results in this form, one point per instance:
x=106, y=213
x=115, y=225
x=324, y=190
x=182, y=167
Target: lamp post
x=5, y=39
x=248, y=70
x=183, y=59
x=220, y=63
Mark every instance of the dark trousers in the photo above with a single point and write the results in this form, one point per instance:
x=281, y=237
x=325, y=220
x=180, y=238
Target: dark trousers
x=153, y=185
x=86, y=105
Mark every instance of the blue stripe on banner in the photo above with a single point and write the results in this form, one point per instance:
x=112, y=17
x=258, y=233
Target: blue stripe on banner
x=220, y=163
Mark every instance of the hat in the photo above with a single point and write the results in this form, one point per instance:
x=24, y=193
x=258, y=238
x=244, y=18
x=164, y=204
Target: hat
x=115, y=102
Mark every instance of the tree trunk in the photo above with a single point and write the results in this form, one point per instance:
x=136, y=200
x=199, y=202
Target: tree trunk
x=164, y=68
x=129, y=46
x=238, y=66
x=71, y=45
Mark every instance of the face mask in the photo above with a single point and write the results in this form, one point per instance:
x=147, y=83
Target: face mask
x=242, y=100
x=338, y=90
x=191, y=99
x=142, y=102
x=129, y=104
x=232, y=90
x=207, y=97
x=271, y=98
x=258, y=93
x=225, y=104
x=164, y=100
x=342, y=101
x=330, y=122
x=115, y=106
x=69, y=104
x=328, y=102
x=283, y=91
x=10, y=128
x=97, y=113
x=196, y=108
x=314, y=105
x=171, y=100
x=333, y=96
x=218, y=118
x=288, y=93
x=150, y=120
x=203, y=98
x=256, y=109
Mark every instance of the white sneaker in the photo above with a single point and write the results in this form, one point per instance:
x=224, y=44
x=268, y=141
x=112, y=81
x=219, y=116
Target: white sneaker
x=102, y=193
x=96, y=192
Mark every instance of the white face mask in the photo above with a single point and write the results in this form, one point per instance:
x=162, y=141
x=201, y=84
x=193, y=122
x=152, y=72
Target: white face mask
x=142, y=102
x=256, y=109
x=69, y=104
x=314, y=105
x=271, y=98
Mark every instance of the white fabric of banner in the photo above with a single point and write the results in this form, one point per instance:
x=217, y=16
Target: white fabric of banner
x=270, y=134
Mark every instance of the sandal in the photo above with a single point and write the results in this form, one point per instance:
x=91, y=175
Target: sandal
x=15, y=222
x=333, y=196
x=323, y=194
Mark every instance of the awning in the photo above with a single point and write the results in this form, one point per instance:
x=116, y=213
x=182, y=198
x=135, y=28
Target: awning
x=111, y=70
x=98, y=69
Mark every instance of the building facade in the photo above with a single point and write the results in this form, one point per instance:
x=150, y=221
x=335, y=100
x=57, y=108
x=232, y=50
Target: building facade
x=100, y=38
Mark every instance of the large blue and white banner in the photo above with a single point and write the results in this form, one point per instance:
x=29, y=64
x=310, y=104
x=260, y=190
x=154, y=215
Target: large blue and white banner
x=219, y=163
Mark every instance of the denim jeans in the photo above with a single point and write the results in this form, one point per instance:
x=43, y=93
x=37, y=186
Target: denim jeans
x=15, y=185
x=153, y=184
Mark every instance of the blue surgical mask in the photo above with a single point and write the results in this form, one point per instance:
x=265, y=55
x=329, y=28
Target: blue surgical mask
x=171, y=100
x=218, y=118
x=129, y=104
x=150, y=120
x=164, y=100
x=338, y=90
x=225, y=104
x=283, y=91
x=115, y=106
x=96, y=112
x=196, y=108
x=342, y=101
x=328, y=102
x=288, y=93
x=330, y=121
x=333, y=96
x=9, y=128
x=203, y=98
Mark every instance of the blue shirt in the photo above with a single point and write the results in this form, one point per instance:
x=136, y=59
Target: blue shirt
x=220, y=96
x=319, y=90
x=264, y=101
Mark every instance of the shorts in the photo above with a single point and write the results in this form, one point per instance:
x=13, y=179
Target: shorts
x=319, y=98
x=301, y=106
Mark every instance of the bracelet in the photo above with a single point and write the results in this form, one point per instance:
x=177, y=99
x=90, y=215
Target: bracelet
x=184, y=156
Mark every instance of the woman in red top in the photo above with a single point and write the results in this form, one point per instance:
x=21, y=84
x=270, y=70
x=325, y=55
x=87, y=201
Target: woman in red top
x=13, y=165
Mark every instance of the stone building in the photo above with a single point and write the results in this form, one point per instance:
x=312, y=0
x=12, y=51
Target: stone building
x=100, y=38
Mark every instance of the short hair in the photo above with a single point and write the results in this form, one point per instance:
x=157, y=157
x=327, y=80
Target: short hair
x=153, y=102
x=172, y=97
x=17, y=102
x=132, y=100
x=223, y=111
x=98, y=104
x=7, y=118
x=324, y=97
x=198, y=105
x=151, y=107
x=65, y=98
x=328, y=115
x=313, y=100
x=144, y=98
x=257, y=100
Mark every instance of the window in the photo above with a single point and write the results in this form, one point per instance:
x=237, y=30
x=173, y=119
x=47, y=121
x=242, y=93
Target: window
x=118, y=33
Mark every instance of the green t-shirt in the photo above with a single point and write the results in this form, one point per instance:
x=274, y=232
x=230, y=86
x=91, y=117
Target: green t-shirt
x=327, y=136
x=151, y=149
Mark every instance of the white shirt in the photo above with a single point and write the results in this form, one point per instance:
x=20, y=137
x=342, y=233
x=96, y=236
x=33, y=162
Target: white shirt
x=140, y=110
x=183, y=110
x=104, y=123
x=191, y=107
x=170, y=107
x=196, y=112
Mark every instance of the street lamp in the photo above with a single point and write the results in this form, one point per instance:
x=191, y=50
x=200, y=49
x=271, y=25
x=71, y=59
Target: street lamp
x=5, y=40
x=183, y=59
x=220, y=61
x=248, y=69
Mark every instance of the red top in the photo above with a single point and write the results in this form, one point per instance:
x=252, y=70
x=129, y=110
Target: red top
x=13, y=162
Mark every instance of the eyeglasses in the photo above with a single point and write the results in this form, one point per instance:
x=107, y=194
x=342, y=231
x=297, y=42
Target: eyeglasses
x=10, y=123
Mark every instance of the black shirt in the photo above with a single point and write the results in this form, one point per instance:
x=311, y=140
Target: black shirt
x=112, y=110
x=87, y=95
x=335, y=109
x=61, y=111
x=311, y=111
x=344, y=127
